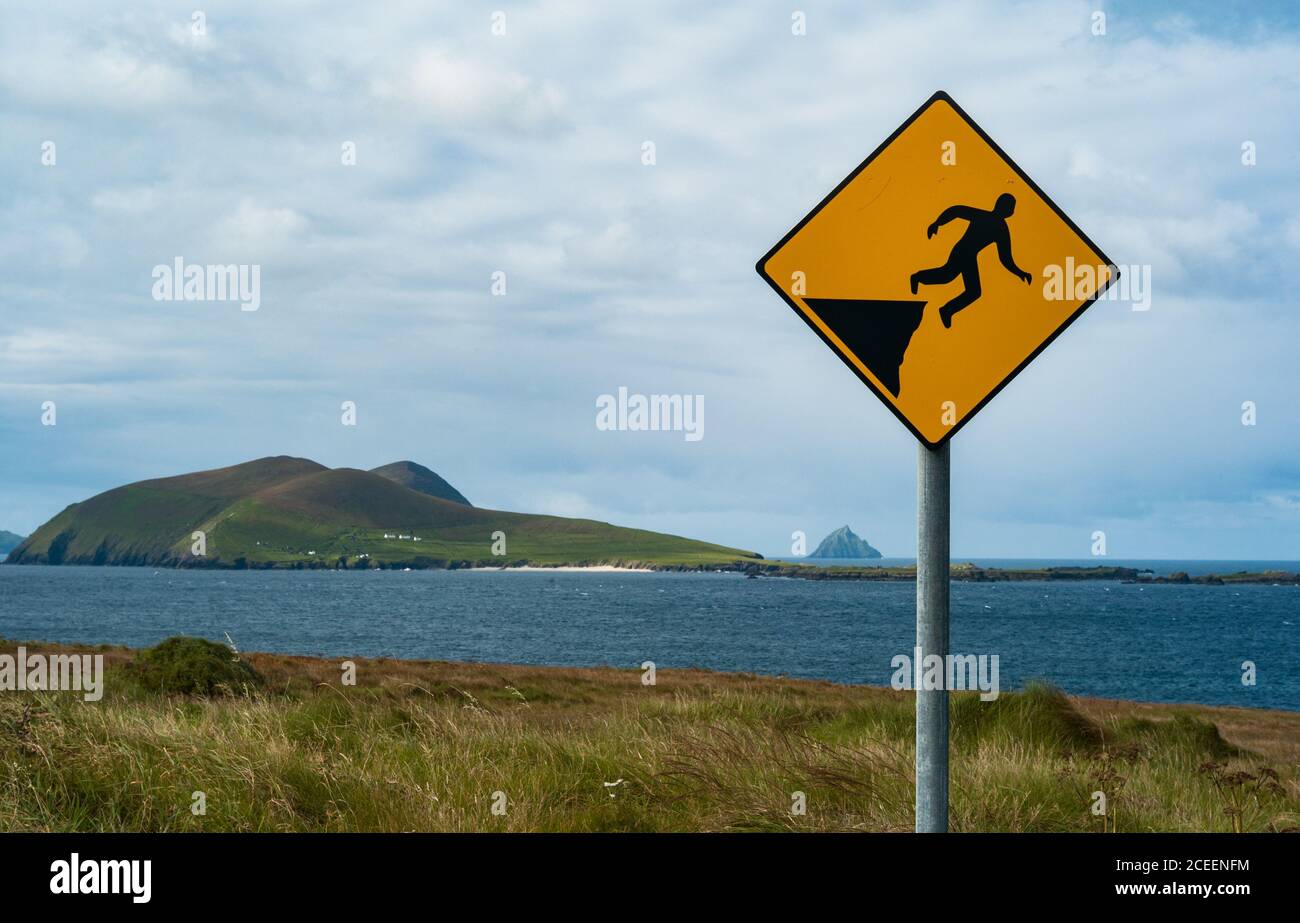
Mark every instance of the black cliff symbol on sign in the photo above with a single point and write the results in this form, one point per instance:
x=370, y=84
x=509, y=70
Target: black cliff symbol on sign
x=877, y=332
x=982, y=229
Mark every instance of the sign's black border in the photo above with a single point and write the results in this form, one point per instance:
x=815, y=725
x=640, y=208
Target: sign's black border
x=940, y=95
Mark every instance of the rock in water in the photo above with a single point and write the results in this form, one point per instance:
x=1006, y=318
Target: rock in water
x=843, y=543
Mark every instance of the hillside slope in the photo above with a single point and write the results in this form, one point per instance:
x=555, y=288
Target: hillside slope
x=420, y=478
x=293, y=512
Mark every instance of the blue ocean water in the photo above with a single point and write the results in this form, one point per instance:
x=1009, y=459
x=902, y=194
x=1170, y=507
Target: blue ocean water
x=1155, y=643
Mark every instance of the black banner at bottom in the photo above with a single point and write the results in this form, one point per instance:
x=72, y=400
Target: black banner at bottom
x=331, y=871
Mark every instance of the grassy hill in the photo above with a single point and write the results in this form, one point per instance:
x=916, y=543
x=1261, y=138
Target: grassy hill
x=420, y=478
x=418, y=745
x=293, y=512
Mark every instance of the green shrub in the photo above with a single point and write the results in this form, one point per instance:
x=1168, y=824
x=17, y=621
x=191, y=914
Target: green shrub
x=1191, y=737
x=193, y=666
x=1039, y=715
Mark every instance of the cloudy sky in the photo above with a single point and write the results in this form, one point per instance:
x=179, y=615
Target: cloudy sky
x=522, y=153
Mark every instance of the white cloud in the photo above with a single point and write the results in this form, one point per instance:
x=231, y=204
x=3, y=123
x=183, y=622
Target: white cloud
x=53, y=246
x=253, y=228
x=131, y=200
x=461, y=93
x=1293, y=232
x=53, y=69
x=193, y=35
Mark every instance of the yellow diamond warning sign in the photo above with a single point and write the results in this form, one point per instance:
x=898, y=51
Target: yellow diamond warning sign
x=937, y=270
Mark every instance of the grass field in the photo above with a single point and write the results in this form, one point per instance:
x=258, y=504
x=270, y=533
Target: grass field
x=428, y=745
x=262, y=535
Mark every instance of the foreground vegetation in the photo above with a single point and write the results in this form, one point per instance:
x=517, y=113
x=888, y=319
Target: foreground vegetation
x=280, y=743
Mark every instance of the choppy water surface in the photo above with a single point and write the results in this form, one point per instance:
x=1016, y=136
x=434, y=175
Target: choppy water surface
x=1155, y=643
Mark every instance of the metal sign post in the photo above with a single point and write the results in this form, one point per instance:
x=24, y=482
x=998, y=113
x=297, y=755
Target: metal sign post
x=932, y=469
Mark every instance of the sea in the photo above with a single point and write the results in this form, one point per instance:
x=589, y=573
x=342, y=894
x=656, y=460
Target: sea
x=1157, y=643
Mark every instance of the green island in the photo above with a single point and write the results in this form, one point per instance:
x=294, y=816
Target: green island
x=288, y=512
x=285, y=512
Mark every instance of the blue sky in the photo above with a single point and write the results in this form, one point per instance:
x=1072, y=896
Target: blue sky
x=522, y=153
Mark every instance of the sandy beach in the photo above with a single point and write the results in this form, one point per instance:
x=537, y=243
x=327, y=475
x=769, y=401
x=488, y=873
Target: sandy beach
x=567, y=568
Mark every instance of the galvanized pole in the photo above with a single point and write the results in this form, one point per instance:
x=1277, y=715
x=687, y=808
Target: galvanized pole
x=932, y=470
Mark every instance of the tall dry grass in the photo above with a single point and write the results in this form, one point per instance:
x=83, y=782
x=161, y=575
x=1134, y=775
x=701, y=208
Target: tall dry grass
x=426, y=746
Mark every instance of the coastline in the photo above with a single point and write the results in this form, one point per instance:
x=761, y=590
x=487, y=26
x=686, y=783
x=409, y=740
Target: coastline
x=565, y=568
x=961, y=572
